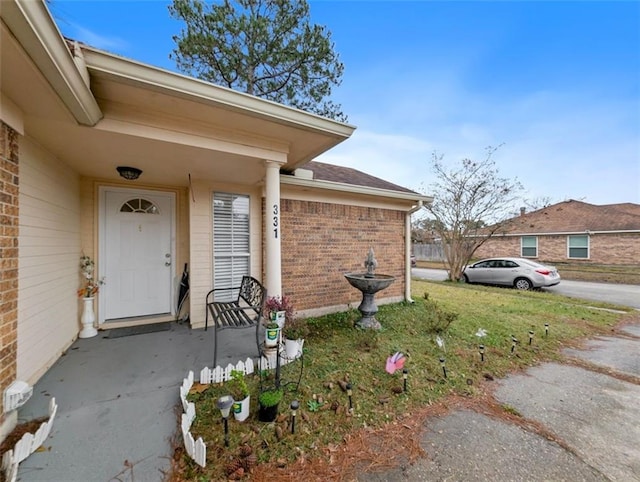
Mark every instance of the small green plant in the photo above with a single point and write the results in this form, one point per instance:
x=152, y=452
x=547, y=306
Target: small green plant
x=237, y=385
x=272, y=325
x=270, y=398
x=437, y=319
x=313, y=405
x=295, y=329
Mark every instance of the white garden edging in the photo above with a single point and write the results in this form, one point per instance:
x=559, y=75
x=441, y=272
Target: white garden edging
x=28, y=444
x=197, y=449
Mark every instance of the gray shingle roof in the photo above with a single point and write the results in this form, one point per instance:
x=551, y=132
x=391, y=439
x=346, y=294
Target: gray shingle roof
x=329, y=172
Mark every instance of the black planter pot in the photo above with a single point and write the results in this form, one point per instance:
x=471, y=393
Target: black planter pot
x=267, y=414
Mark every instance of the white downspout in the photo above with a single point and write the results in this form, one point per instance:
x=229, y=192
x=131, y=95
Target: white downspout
x=407, y=251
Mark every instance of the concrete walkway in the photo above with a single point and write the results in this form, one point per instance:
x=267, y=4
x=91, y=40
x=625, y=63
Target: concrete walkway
x=117, y=400
x=116, y=403
x=587, y=419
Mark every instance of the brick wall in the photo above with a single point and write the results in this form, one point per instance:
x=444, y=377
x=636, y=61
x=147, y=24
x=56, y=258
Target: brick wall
x=322, y=241
x=613, y=249
x=9, y=176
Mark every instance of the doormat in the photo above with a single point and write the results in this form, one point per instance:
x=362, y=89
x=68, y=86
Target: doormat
x=137, y=330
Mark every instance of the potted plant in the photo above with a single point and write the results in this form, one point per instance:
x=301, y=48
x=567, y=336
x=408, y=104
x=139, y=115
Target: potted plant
x=294, y=332
x=279, y=309
x=89, y=289
x=240, y=393
x=268, y=401
x=271, y=334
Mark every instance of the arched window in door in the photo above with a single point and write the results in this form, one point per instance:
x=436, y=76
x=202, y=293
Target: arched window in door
x=139, y=205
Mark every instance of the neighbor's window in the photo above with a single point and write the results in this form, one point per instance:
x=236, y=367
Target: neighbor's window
x=230, y=242
x=578, y=246
x=529, y=246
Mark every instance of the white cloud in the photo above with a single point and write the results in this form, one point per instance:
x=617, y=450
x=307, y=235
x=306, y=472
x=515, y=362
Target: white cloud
x=113, y=44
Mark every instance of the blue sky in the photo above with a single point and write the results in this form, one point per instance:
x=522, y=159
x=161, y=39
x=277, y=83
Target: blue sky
x=556, y=84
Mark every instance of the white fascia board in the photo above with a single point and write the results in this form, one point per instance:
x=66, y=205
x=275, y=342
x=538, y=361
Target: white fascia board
x=205, y=92
x=31, y=23
x=353, y=189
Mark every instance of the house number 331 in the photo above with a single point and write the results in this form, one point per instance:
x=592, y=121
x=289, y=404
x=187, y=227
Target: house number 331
x=276, y=222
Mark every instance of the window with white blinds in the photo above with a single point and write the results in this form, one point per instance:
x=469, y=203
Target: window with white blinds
x=230, y=242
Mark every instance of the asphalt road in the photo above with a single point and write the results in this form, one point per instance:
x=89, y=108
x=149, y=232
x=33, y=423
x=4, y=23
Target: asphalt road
x=619, y=294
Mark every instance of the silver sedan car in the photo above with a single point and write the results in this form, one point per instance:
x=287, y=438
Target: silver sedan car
x=520, y=273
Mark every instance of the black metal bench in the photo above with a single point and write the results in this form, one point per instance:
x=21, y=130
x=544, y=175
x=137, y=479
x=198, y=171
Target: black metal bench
x=243, y=312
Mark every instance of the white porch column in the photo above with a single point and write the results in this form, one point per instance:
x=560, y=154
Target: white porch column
x=273, y=230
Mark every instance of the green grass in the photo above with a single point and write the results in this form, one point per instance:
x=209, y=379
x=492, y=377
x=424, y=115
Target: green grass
x=335, y=351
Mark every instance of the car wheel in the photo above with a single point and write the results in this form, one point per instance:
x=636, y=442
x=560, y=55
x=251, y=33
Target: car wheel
x=465, y=278
x=522, y=284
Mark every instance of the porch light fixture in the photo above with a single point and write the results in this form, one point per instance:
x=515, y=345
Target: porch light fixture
x=129, y=173
x=224, y=405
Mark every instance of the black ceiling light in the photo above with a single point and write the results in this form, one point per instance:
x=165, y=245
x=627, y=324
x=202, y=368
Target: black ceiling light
x=129, y=173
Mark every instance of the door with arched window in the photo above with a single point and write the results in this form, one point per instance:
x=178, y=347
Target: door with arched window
x=136, y=253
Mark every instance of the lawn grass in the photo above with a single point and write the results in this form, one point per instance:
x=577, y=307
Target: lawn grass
x=336, y=352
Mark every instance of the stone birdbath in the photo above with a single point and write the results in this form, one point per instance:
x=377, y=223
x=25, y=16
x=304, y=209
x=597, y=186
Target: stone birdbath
x=369, y=284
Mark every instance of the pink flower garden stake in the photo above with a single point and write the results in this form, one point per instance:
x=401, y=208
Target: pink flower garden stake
x=395, y=362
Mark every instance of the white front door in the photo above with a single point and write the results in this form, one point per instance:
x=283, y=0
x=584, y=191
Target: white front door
x=136, y=253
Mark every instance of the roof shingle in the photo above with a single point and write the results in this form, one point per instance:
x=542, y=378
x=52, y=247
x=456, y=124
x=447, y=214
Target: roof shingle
x=577, y=216
x=347, y=175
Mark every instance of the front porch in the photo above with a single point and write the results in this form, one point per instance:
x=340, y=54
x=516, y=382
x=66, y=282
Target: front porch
x=117, y=403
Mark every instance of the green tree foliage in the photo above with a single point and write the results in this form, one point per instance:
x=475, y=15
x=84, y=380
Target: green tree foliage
x=266, y=48
x=471, y=203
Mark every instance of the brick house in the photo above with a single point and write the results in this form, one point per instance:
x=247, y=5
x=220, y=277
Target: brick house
x=227, y=185
x=571, y=231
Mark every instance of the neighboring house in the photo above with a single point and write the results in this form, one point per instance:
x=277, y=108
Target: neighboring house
x=571, y=231
x=227, y=187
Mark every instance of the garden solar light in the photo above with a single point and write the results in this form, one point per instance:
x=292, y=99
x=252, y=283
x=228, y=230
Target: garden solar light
x=444, y=369
x=405, y=374
x=350, y=393
x=481, y=347
x=513, y=343
x=294, y=407
x=224, y=405
x=530, y=336
x=546, y=329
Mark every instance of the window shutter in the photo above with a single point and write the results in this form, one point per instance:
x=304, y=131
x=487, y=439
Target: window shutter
x=230, y=242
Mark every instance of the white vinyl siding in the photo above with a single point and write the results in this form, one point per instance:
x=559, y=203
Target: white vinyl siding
x=231, y=251
x=578, y=246
x=529, y=246
x=49, y=261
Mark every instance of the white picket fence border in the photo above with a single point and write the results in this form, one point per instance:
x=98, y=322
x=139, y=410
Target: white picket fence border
x=197, y=449
x=28, y=444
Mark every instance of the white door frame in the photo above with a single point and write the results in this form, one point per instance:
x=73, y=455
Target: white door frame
x=102, y=220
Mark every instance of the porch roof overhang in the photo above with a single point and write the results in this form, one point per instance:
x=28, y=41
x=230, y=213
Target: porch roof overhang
x=166, y=124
